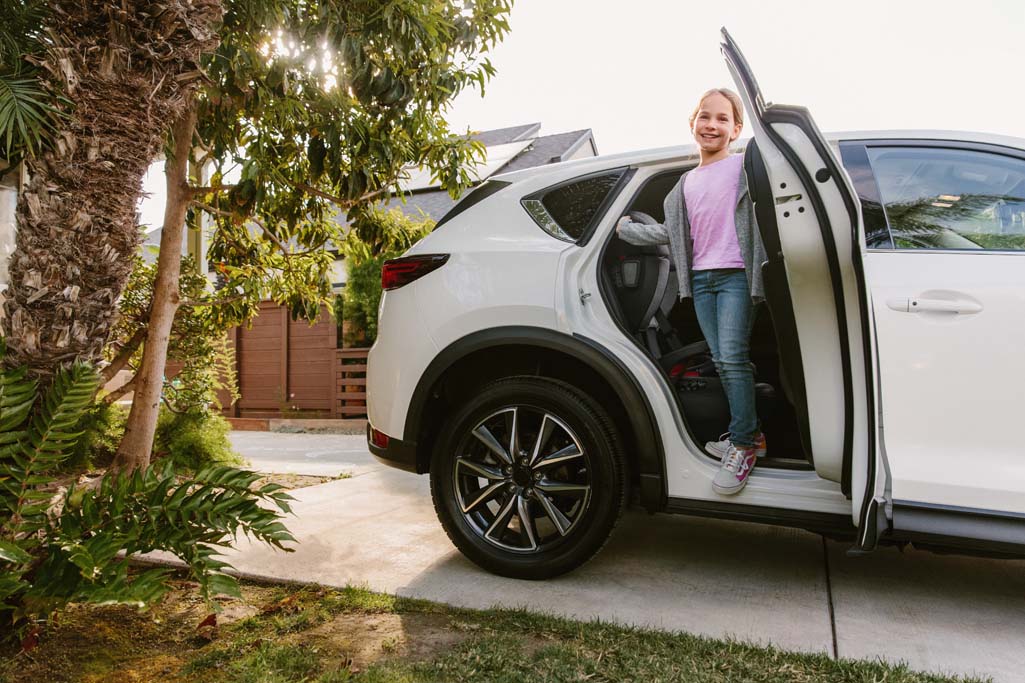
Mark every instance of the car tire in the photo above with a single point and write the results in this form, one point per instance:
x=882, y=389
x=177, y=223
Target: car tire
x=566, y=477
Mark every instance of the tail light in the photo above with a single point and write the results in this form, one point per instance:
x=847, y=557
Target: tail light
x=379, y=438
x=398, y=272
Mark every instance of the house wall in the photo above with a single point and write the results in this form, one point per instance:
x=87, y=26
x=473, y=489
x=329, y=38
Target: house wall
x=8, y=203
x=585, y=152
x=338, y=274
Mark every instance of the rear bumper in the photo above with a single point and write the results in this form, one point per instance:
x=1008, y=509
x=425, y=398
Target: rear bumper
x=399, y=454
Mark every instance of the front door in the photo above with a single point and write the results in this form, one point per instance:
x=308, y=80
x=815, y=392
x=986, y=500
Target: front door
x=810, y=220
x=946, y=265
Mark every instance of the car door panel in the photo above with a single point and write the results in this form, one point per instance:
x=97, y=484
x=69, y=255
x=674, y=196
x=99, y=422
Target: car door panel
x=950, y=328
x=816, y=217
x=952, y=398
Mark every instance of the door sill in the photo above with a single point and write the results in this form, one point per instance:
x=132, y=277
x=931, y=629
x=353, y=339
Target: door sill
x=836, y=526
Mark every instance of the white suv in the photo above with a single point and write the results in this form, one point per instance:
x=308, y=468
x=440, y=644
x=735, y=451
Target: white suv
x=543, y=372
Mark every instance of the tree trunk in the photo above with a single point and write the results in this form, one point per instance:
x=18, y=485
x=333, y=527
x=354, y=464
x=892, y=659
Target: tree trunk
x=127, y=68
x=135, y=447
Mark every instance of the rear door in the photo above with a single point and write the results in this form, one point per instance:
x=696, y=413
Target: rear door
x=810, y=221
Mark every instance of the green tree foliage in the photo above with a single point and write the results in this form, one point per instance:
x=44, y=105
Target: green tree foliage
x=58, y=547
x=323, y=108
x=190, y=440
x=202, y=360
x=382, y=235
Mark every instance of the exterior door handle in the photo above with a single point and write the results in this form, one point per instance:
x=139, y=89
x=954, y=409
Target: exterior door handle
x=916, y=305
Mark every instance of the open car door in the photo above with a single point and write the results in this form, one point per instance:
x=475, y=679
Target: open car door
x=810, y=220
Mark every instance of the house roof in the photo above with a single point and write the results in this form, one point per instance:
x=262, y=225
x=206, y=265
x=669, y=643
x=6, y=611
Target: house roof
x=551, y=149
x=546, y=149
x=435, y=203
x=501, y=136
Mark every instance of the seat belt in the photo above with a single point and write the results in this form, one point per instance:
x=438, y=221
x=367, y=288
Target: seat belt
x=668, y=331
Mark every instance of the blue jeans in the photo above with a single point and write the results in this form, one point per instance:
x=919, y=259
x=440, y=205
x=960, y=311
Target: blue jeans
x=725, y=313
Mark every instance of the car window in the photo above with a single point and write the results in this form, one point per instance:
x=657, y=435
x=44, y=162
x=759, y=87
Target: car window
x=569, y=210
x=939, y=198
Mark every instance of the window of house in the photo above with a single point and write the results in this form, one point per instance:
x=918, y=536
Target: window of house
x=941, y=198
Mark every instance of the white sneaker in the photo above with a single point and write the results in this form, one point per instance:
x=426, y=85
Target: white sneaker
x=722, y=446
x=719, y=448
x=734, y=471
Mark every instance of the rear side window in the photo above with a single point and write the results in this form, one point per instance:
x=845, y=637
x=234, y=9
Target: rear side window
x=941, y=198
x=570, y=211
x=477, y=195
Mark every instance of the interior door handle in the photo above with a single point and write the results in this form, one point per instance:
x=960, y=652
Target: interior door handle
x=915, y=305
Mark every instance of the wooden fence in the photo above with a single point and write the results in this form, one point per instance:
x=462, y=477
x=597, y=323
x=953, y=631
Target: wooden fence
x=289, y=368
x=351, y=383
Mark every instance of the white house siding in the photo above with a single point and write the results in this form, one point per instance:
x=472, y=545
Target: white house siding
x=585, y=151
x=8, y=202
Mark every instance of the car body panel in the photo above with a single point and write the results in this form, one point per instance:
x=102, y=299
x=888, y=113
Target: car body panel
x=501, y=271
x=401, y=334
x=952, y=397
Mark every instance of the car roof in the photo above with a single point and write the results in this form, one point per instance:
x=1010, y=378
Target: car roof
x=690, y=152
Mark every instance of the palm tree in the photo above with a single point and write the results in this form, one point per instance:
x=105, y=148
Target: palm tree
x=87, y=143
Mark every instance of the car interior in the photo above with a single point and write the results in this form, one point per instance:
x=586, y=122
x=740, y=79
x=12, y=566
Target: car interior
x=641, y=288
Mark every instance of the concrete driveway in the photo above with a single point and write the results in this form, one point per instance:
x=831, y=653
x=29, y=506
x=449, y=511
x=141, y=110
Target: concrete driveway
x=757, y=583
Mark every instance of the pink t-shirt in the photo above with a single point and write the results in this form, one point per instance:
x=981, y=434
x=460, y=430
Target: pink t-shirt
x=711, y=195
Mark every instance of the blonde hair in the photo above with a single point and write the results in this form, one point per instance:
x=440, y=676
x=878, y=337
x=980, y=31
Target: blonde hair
x=734, y=98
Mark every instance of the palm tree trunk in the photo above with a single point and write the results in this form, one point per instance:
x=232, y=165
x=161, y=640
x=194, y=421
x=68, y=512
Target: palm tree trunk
x=137, y=443
x=127, y=68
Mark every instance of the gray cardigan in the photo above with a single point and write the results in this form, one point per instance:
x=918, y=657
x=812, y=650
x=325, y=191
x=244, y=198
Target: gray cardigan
x=676, y=233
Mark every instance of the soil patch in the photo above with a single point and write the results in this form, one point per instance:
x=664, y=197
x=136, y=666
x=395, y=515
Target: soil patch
x=296, y=481
x=359, y=640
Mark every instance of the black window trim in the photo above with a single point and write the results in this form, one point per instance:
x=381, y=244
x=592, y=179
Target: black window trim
x=854, y=157
x=956, y=145
x=625, y=174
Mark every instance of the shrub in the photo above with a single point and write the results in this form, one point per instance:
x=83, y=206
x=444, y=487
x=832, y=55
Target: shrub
x=59, y=547
x=190, y=440
x=194, y=440
x=362, y=298
x=101, y=428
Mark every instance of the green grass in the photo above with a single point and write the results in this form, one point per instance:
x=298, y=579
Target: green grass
x=507, y=646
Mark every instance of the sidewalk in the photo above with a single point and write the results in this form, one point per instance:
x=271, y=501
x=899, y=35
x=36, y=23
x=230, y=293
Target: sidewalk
x=758, y=583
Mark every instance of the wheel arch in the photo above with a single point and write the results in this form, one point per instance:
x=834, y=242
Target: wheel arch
x=498, y=352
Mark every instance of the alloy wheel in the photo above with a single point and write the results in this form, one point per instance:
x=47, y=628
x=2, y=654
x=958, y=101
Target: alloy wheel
x=522, y=479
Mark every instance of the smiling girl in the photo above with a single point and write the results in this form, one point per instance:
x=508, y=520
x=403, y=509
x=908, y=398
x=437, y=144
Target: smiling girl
x=718, y=253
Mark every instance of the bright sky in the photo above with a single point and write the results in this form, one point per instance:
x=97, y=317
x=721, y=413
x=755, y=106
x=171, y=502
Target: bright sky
x=631, y=71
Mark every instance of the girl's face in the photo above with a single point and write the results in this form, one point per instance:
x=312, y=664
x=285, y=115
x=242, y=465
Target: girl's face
x=714, y=127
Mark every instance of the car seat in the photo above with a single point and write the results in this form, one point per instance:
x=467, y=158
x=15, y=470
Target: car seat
x=647, y=288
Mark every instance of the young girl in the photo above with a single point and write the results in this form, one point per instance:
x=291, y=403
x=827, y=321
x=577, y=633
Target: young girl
x=718, y=252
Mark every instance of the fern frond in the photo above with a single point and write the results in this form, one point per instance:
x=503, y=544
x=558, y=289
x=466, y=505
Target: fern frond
x=42, y=447
x=17, y=396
